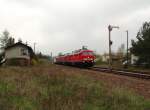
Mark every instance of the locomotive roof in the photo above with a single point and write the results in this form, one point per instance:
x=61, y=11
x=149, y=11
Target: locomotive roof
x=76, y=52
x=84, y=51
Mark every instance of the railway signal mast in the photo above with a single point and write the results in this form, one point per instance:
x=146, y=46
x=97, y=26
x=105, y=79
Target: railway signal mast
x=110, y=28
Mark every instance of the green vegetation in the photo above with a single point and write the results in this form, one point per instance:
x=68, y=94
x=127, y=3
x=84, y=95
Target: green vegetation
x=6, y=40
x=99, y=60
x=44, y=88
x=141, y=47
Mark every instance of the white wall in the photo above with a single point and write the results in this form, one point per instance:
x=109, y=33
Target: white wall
x=134, y=59
x=15, y=52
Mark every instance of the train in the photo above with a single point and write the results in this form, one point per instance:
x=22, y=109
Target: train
x=80, y=58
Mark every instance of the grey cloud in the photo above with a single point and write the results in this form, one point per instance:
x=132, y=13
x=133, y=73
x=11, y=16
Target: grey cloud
x=65, y=25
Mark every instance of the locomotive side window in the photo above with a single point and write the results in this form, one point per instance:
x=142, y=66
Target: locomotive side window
x=87, y=53
x=90, y=53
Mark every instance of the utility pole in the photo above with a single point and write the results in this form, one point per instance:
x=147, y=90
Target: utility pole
x=127, y=46
x=110, y=28
x=52, y=57
x=34, y=46
x=110, y=43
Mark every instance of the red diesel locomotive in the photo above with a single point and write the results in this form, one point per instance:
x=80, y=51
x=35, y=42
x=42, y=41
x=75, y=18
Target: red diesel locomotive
x=81, y=58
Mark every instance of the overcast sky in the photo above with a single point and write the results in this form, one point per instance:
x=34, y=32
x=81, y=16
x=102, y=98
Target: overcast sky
x=65, y=25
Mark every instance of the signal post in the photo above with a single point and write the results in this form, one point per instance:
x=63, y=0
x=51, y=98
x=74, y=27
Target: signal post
x=110, y=28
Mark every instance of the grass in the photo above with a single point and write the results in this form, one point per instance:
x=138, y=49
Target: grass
x=38, y=88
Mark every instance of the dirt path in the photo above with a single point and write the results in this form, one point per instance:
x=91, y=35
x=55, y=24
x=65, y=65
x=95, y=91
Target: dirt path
x=139, y=86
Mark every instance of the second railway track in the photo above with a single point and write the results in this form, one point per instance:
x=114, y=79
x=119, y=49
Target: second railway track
x=136, y=74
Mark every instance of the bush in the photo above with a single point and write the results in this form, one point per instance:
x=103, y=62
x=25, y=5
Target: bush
x=100, y=62
x=34, y=62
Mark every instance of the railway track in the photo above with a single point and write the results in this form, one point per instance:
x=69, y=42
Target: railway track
x=141, y=75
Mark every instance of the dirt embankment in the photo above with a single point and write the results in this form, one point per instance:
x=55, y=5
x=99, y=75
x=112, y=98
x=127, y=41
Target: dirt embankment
x=139, y=86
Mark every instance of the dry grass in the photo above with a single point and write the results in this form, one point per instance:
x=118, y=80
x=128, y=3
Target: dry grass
x=45, y=87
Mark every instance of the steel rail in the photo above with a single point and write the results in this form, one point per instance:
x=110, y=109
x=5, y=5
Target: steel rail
x=141, y=75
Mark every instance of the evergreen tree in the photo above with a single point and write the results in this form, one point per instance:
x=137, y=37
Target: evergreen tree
x=141, y=47
x=6, y=40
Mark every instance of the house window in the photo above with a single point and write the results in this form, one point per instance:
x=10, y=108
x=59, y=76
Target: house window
x=23, y=51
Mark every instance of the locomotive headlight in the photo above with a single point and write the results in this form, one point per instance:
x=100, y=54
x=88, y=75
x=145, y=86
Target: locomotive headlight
x=87, y=59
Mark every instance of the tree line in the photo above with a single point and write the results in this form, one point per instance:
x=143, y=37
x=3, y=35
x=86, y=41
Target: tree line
x=6, y=39
x=140, y=46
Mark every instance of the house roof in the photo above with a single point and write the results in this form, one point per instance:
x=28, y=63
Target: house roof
x=18, y=44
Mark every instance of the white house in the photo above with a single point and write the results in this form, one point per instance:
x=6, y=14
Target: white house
x=134, y=59
x=20, y=52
